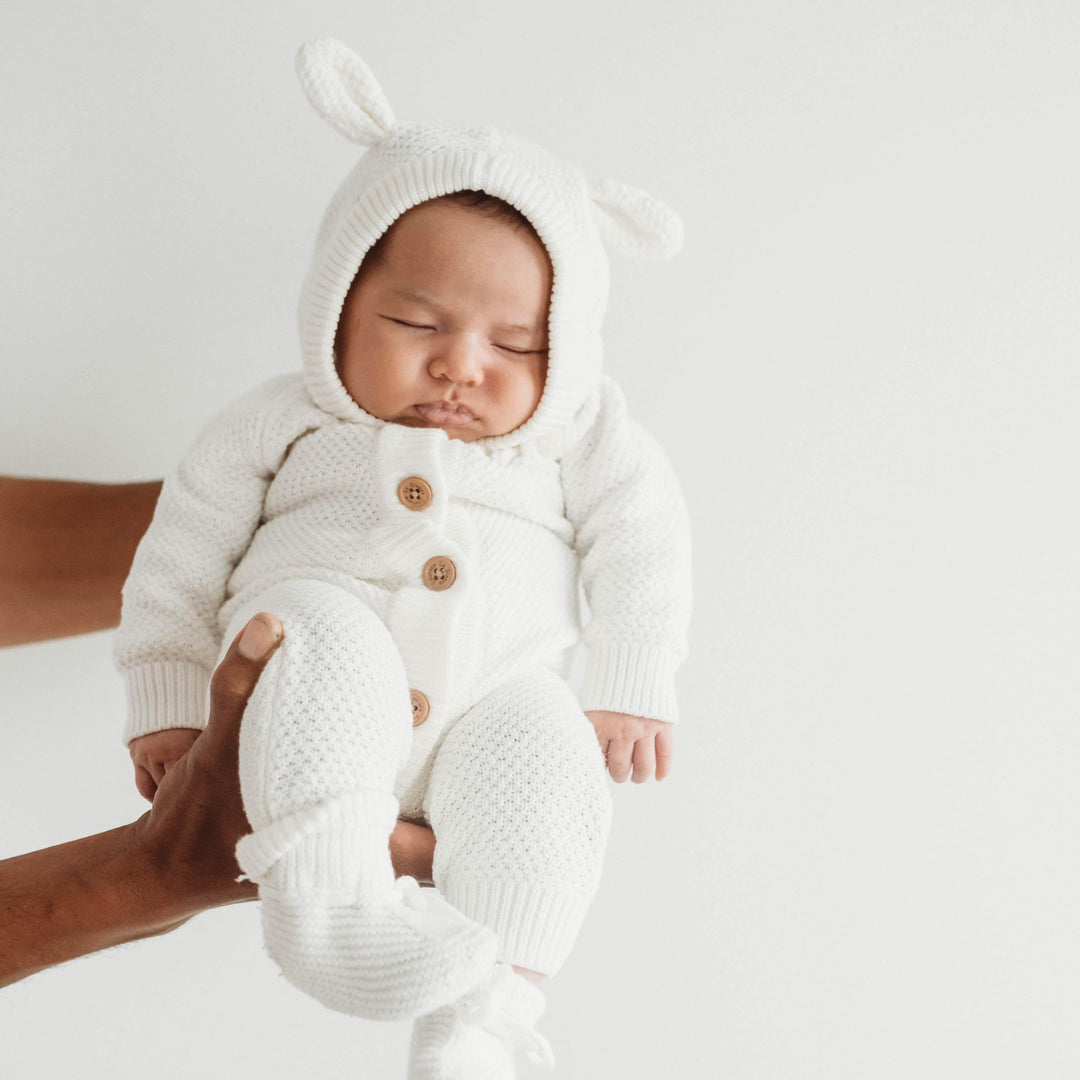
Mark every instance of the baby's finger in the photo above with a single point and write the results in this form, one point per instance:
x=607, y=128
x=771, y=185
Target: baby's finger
x=145, y=783
x=665, y=751
x=644, y=759
x=618, y=759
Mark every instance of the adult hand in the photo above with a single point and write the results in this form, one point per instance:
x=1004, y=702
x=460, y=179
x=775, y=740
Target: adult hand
x=149, y=876
x=189, y=834
x=191, y=830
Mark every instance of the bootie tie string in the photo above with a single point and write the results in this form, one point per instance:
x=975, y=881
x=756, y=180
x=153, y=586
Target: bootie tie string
x=487, y=1007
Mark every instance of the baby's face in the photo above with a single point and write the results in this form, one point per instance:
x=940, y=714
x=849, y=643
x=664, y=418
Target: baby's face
x=447, y=327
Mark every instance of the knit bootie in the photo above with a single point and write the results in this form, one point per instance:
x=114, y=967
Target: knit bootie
x=342, y=930
x=475, y=1037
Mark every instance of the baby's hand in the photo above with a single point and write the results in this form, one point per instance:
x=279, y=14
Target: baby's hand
x=155, y=754
x=648, y=744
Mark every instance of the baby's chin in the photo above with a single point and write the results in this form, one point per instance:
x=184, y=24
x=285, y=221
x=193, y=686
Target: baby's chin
x=465, y=431
x=468, y=432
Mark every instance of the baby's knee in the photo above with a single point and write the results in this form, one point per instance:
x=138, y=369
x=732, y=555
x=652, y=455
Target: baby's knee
x=323, y=624
x=528, y=746
x=316, y=607
x=537, y=720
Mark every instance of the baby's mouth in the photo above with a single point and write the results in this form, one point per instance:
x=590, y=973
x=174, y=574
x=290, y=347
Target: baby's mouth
x=444, y=412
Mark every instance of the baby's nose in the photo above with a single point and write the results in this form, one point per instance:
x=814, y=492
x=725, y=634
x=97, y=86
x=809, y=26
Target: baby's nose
x=460, y=359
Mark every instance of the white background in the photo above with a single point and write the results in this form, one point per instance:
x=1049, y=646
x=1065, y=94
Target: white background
x=864, y=367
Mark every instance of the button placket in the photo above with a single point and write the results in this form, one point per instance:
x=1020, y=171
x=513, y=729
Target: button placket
x=410, y=465
x=435, y=620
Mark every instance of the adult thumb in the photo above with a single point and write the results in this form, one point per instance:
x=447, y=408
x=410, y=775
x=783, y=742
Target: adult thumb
x=237, y=674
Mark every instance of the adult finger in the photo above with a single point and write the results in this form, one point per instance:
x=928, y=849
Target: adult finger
x=665, y=751
x=618, y=760
x=644, y=759
x=236, y=676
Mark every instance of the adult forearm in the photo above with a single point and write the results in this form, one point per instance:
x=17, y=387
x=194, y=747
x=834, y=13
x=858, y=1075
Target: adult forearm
x=65, y=549
x=114, y=887
x=78, y=898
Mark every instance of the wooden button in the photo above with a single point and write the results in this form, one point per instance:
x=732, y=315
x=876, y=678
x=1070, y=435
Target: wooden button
x=439, y=573
x=415, y=493
x=420, y=707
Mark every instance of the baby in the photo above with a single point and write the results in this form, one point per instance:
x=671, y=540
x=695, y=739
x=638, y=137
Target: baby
x=423, y=509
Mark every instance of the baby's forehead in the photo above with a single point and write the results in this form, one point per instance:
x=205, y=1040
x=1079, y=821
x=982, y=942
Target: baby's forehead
x=437, y=240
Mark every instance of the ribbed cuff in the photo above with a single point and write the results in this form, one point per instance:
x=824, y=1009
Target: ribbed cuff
x=336, y=847
x=631, y=678
x=164, y=695
x=536, y=924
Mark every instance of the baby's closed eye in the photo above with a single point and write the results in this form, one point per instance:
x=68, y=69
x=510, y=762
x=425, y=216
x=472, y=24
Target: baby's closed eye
x=495, y=344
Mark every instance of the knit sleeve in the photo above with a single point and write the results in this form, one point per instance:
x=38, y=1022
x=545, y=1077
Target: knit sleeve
x=632, y=536
x=208, y=510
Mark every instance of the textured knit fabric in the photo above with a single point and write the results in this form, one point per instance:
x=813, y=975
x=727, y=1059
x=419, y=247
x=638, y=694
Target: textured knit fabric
x=331, y=714
x=516, y=792
x=391, y=958
x=324, y=734
x=477, y=1036
x=277, y=489
x=289, y=502
x=521, y=842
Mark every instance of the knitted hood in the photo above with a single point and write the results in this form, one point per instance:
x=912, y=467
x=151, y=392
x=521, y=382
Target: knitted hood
x=408, y=163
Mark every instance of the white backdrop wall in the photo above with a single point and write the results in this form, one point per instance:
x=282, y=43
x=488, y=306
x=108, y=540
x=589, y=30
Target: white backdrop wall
x=863, y=366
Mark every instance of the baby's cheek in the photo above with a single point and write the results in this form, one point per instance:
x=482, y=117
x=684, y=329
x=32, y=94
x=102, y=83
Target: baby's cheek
x=521, y=391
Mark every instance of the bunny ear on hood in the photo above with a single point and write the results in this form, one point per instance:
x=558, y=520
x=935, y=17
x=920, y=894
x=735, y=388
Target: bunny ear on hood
x=633, y=222
x=344, y=91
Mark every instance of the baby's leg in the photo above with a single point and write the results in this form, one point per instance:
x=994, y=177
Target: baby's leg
x=520, y=806
x=323, y=737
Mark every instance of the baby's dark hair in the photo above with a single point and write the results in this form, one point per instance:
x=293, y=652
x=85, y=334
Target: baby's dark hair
x=491, y=205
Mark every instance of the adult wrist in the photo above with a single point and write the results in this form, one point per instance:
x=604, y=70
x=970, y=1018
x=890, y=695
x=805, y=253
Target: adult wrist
x=171, y=877
x=77, y=898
